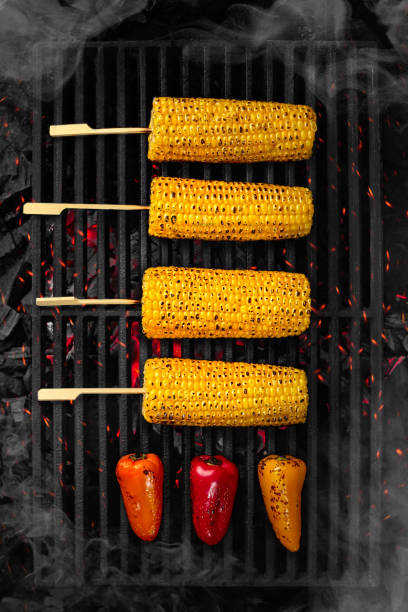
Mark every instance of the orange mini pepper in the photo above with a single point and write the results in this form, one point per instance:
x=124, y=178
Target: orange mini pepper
x=281, y=480
x=141, y=482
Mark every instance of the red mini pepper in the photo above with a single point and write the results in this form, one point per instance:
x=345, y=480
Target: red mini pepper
x=213, y=485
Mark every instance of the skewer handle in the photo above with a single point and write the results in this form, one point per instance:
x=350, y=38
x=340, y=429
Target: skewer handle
x=46, y=208
x=73, y=301
x=70, y=394
x=83, y=129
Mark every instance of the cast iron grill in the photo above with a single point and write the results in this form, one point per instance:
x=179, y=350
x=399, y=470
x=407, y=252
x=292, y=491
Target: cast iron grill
x=76, y=447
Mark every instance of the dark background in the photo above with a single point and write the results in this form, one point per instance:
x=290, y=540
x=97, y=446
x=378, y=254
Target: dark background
x=386, y=23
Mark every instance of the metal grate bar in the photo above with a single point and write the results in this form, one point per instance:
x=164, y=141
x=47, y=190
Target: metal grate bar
x=103, y=341
x=228, y=438
x=114, y=311
x=57, y=437
x=206, y=249
x=188, y=434
x=142, y=72
x=123, y=233
x=227, y=167
x=124, y=381
x=209, y=556
x=333, y=304
x=37, y=225
x=270, y=540
x=124, y=273
x=103, y=348
x=37, y=184
x=144, y=346
x=103, y=241
x=206, y=89
x=376, y=298
x=79, y=366
x=58, y=239
x=80, y=216
x=144, y=191
x=166, y=432
x=355, y=298
x=312, y=417
x=144, y=247
x=291, y=258
x=79, y=451
x=251, y=432
x=58, y=236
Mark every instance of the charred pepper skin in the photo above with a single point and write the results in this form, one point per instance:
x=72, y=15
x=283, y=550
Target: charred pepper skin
x=281, y=479
x=140, y=479
x=213, y=486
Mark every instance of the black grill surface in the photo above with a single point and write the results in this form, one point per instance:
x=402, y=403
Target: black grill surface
x=76, y=446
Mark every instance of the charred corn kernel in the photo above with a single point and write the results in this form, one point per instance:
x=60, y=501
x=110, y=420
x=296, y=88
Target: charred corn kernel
x=204, y=393
x=202, y=303
x=217, y=210
x=211, y=130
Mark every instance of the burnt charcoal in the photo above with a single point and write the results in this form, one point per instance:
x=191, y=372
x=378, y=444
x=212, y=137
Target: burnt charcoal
x=395, y=394
x=13, y=178
x=14, y=365
x=15, y=149
x=391, y=344
x=27, y=379
x=12, y=361
x=14, y=243
x=11, y=386
x=394, y=321
x=21, y=285
x=9, y=319
x=396, y=334
x=15, y=123
x=16, y=405
x=18, y=337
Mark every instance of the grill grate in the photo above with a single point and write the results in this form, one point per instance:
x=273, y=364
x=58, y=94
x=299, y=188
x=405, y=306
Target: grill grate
x=114, y=85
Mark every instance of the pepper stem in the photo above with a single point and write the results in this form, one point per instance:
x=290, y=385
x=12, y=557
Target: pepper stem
x=135, y=457
x=212, y=461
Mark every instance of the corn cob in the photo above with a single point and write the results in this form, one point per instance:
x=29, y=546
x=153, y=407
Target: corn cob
x=204, y=393
x=201, y=303
x=211, y=130
x=217, y=210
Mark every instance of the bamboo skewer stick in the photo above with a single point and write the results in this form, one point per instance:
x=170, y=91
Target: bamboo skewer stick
x=70, y=394
x=83, y=129
x=51, y=208
x=73, y=301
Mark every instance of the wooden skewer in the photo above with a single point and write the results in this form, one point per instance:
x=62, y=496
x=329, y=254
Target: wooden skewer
x=83, y=129
x=73, y=301
x=48, y=208
x=68, y=394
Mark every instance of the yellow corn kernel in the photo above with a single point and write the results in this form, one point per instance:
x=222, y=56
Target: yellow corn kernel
x=205, y=393
x=211, y=130
x=217, y=210
x=202, y=303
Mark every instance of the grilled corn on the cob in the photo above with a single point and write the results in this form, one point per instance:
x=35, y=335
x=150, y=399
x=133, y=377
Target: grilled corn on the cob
x=202, y=303
x=203, y=393
x=217, y=210
x=211, y=130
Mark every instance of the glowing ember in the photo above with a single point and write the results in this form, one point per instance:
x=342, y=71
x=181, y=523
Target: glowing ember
x=134, y=352
x=176, y=348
